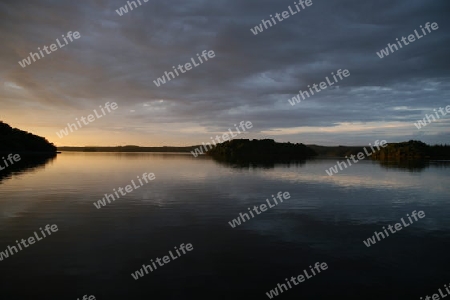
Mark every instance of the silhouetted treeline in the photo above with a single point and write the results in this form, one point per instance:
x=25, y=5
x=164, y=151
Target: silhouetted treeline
x=245, y=150
x=13, y=140
x=336, y=151
x=267, y=150
x=129, y=149
x=412, y=150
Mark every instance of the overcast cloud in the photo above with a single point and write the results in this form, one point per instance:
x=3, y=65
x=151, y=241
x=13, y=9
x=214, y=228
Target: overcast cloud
x=251, y=77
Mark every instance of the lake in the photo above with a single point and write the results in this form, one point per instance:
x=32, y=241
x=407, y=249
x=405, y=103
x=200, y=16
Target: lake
x=192, y=200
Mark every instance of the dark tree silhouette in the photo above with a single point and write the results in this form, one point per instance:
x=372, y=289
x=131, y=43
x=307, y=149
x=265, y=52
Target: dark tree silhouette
x=412, y=150
x=267, y=150
x=19, y=141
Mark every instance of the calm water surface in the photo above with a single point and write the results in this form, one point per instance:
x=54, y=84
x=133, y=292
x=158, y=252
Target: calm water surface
x=193, y=199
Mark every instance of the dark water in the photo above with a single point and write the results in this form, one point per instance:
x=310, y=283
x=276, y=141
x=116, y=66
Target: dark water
x=192, y=200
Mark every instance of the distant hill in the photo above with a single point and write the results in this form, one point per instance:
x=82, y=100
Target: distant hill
x=260, y=150
x=13, y=140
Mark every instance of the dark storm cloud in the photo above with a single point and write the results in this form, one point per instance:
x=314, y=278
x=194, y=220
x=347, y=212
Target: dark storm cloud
x=251, y=77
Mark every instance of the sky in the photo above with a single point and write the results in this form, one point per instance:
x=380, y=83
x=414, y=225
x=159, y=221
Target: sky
x=251, y=77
